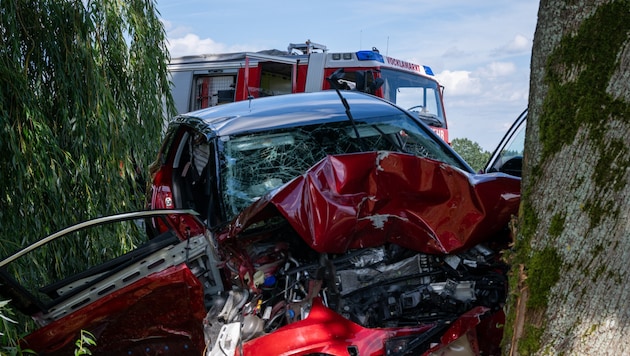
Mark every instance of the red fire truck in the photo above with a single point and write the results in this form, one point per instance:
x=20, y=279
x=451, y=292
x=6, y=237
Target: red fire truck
x=201, y=81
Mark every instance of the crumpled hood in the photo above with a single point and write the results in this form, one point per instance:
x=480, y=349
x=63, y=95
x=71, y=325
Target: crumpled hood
x=367, y=199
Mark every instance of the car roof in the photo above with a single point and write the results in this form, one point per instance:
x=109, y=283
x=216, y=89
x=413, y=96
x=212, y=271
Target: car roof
x=285, y=111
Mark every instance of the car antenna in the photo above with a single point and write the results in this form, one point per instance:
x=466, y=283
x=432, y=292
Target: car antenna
x=333, y=81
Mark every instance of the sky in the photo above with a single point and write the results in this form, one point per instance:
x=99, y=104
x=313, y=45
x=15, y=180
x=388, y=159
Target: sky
x=479, y=50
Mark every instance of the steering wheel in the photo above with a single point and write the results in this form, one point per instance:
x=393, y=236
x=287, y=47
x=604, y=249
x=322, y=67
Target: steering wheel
x=416, y=107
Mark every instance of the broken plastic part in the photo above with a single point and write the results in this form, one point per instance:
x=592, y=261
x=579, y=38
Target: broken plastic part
x=463, y=291
x=227, y=340
x=236, y=300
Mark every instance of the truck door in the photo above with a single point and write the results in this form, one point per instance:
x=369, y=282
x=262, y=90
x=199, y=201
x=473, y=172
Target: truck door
x=276, y=78
x=212, y=89
x=254, y=79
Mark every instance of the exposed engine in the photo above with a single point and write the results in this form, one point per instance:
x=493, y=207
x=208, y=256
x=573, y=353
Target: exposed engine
x=276, y=278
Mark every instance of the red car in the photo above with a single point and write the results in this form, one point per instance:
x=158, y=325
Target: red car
x=323, y=225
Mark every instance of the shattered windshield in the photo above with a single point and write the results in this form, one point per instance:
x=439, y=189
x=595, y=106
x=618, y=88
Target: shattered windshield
x=256, y=163
x=417, y=94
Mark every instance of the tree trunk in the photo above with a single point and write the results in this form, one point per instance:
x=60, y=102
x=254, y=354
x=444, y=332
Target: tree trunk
x=571, y=268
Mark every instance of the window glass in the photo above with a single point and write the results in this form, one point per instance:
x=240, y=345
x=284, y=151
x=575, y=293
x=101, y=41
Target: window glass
x=415, y=93
x=211, y=90
x=510, y=157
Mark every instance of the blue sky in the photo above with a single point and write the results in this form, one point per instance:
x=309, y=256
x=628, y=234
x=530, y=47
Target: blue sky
x=479, y=50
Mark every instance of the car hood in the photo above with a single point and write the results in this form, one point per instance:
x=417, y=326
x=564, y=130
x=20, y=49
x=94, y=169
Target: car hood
x=367, y=199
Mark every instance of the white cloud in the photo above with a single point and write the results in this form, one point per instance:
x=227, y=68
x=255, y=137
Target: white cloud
x=520, y=43
x=459, y=82
x=498, y=69
x=191, y=44
x=175, y=31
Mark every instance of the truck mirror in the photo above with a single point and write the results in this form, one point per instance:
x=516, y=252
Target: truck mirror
x=333, y=79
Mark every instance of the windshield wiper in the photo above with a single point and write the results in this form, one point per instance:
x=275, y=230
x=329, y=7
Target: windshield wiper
x=430, y=120
x=333, y=81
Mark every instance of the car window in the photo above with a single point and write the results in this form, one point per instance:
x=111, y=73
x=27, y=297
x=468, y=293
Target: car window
x=255, y=163
x=509, y=155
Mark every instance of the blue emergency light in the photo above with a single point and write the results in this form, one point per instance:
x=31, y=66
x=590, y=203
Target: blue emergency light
x=369, y=56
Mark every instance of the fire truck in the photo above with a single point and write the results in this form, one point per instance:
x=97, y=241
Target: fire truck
x=202, y=81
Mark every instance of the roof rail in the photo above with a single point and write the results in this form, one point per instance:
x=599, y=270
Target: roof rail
x=306, y=48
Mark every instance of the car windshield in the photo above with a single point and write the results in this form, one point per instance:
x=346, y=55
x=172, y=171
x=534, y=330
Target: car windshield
x=255, y=163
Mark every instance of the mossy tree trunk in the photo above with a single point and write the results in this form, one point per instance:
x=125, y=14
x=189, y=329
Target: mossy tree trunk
x=571, y=269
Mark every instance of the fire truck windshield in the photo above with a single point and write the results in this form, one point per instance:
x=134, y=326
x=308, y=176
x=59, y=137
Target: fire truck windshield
x=415, y=93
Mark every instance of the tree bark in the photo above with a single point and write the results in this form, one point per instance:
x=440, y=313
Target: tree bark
x=570, y=260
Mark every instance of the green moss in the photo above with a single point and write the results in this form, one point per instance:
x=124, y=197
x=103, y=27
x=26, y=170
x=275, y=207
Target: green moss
x=615, y=277
x=611, y=175
x=577, y=182
x=528, y=227
x=599, y=271
x=543, y=271
x=591, y=330
x=598, y=209
x=530, y=342
x=557, y=225
x=597, y=250
x=511, y=302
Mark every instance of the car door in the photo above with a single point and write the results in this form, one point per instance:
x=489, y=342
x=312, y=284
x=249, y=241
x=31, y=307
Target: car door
x=135, y=295
x=508, y=156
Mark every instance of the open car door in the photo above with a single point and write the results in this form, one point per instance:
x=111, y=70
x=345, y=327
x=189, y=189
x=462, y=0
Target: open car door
x=105, y=276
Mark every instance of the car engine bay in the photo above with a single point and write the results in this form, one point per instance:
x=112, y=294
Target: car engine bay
x=275, y=278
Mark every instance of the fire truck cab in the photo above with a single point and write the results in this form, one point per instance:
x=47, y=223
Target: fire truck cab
x=207, y=80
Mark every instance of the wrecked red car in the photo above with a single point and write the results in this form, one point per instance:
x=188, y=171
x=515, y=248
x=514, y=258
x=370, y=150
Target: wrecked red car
x=306, y=224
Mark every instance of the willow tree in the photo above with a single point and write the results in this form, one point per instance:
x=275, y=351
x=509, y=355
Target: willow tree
x=571, y=267
x=83, y=96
